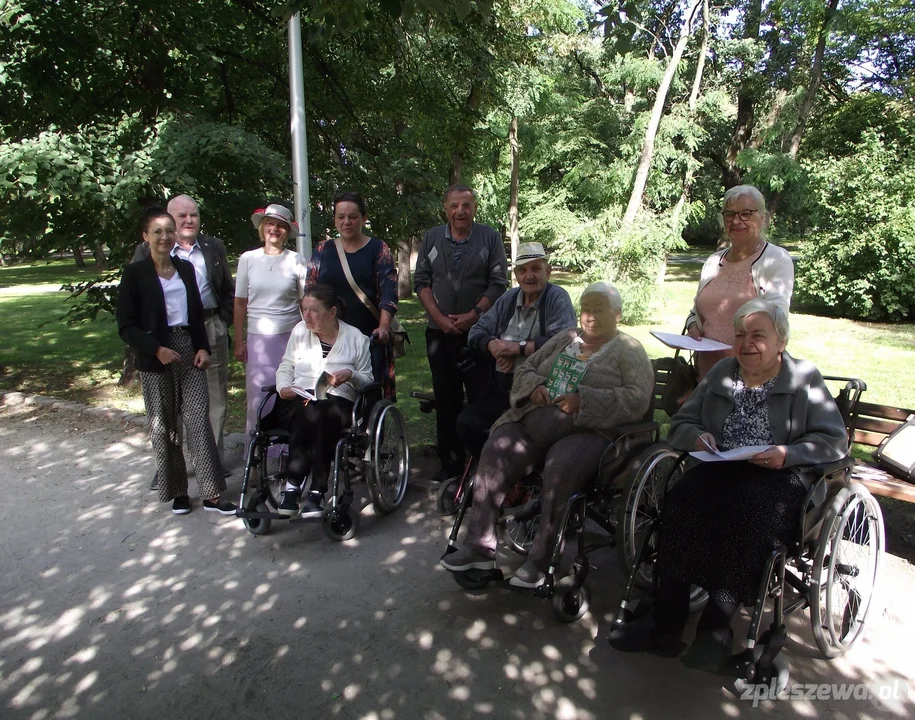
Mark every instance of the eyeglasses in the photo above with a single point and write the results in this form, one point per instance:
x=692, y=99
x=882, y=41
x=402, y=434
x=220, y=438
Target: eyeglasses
x=744, y=215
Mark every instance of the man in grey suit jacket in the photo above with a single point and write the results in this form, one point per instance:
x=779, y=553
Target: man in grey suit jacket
x=460, y=273
x=217, y=290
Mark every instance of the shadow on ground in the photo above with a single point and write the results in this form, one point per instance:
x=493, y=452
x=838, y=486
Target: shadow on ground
x=111, y=607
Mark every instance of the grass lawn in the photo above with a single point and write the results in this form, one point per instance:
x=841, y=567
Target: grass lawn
x=42, y=355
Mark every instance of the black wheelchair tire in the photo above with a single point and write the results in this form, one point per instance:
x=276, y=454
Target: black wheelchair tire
x=386, y=498
x=445, y=500
x=570, y=603
x=343, y=526
x=257, y=526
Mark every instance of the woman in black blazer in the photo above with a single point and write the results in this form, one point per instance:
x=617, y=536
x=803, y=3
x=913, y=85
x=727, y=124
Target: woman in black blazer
x=160, y=315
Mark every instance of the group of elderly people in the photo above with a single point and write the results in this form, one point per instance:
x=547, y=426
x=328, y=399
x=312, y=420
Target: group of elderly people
x=542, y=390
x=721, y=520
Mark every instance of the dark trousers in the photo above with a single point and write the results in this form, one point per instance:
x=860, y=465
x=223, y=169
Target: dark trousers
x=475, y=420
x=314, y=429
x=449, y=384
x=672, y=608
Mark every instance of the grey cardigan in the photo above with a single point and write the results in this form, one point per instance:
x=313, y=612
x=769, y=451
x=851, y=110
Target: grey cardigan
x=481, y=272
x=615, y=389
x=802, y=414
x=555, y=312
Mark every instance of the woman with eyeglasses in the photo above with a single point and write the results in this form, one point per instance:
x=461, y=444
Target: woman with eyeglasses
x=749, y=268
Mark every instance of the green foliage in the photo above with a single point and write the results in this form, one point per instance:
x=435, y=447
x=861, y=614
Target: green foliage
x=860, y=261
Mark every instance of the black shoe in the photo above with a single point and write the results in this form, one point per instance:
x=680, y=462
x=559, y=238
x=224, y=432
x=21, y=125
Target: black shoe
x=314, y=505
x=223, y=507
x=154, y=485
x=710, y=650
x=181, y=505
x=642, y=635
x=289, y=505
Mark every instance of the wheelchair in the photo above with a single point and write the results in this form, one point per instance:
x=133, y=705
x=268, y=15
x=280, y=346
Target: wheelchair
x=831, y=566
x=373, y=448
x=521, y=509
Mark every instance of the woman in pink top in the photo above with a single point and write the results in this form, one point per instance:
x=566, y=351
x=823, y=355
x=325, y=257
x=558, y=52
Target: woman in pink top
x=750, y=268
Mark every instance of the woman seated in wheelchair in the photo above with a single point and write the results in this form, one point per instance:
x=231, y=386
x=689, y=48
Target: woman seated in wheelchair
x=323, y=351
x=720, y=522
x=565, y=400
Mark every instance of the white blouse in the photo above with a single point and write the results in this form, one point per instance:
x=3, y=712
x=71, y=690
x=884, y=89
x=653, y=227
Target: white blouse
x=175, y=300
x=273, y=286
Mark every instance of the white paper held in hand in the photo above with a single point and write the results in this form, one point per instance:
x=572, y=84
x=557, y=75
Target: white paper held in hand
x=741, y=453
x=685, y=342
x=302, y=392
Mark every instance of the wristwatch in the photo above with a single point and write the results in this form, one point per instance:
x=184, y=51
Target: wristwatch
x=522, y=345
x=478, y=310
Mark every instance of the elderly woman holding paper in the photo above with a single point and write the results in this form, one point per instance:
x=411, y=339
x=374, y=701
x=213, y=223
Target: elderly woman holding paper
x=750, y=267
x=721, y=521
x=565, y=401
x=327, y=360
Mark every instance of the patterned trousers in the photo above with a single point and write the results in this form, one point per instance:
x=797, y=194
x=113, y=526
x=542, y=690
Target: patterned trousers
x=181, y=390
x=570, y=457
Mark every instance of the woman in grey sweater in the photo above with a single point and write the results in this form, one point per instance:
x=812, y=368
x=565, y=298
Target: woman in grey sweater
x=722, y=520
x=565, y=400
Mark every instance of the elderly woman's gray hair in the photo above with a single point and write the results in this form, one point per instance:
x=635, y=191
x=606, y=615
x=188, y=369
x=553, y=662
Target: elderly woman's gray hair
x=775, y=310
x=752, y=193
x=607, y=290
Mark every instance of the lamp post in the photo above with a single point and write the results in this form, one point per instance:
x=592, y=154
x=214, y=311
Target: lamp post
x=299, y=138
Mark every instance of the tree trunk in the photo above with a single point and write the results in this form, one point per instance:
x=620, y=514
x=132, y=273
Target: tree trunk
x=513, y=193
x=641, y=173
x=404, y=279
x=128, y=367
x=746, y=104
x=78, y=256
x=101, y=262
x=816, y=77
x=693, y=101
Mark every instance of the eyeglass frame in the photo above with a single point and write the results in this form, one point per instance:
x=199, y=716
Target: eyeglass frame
x=737, y=214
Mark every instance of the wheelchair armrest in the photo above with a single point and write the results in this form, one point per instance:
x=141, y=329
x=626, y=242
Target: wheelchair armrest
x=831, y=468
x=636, y=428
x=269, y=389
x=369, y=388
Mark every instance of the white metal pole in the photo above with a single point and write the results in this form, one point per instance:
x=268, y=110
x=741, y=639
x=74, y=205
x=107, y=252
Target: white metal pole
x=299, y=139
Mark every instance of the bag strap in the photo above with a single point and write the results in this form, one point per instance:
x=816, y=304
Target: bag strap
x=341, y=253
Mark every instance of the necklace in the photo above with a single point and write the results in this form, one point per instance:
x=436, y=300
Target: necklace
x=166, y=272
x=275, y=262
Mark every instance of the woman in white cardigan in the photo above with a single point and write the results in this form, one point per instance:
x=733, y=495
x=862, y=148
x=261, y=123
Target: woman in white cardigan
x=323, y=352
x=750, y=268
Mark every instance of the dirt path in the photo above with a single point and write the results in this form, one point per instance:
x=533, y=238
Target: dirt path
x=111, y=607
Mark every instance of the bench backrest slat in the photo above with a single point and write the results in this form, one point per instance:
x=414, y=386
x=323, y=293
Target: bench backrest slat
x=874, y=422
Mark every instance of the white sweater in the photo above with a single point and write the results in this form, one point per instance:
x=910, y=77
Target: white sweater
x=273, y=286
x=303, y=362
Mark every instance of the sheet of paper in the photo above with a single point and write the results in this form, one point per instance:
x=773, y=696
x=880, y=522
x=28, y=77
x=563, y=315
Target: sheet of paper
x=302, y=392
x=741, y=453
x=685, y=342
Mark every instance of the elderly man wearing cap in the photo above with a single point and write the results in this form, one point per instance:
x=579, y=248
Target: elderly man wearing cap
x=460, y=273
x=518, y=325
x=217, y=290
x=269, y=284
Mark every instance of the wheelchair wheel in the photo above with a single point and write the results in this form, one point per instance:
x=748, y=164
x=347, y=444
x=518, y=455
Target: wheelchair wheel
x=640, y=504
x=522, y=518
x=390, y=455
x=257, y=526
x=472, y=579
x=844, y=576
x=343, y=526
x=570, y=603
x=447, y=500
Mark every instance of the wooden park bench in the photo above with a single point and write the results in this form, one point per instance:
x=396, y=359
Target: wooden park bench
x=868, y=424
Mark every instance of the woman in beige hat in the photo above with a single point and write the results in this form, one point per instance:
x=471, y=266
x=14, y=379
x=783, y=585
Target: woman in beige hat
x=268, y=287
